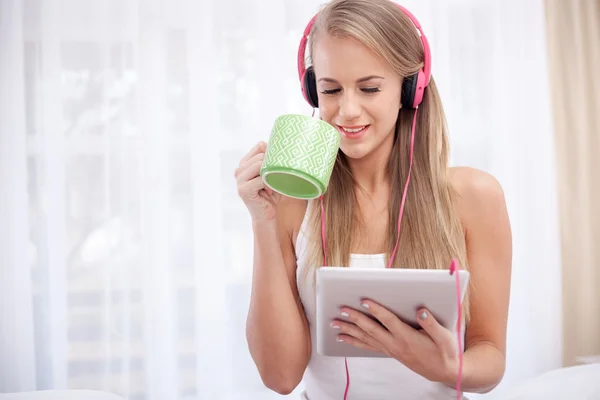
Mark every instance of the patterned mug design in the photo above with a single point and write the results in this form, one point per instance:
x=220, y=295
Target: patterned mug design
x=303, y=148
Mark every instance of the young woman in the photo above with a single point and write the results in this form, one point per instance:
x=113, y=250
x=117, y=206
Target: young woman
x=368, y=62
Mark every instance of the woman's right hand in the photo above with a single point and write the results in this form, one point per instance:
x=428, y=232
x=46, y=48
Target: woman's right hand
x=260, y=200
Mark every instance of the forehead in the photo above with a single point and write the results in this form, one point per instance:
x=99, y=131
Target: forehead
x=346, y=59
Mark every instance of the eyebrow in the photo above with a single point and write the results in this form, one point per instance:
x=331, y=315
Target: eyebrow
x=366, y=78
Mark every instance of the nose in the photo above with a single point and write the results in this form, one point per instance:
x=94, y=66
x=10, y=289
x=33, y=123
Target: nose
x=350, y=107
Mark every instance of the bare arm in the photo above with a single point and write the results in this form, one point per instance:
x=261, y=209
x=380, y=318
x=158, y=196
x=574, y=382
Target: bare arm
x=489, y=252
x=276, y=328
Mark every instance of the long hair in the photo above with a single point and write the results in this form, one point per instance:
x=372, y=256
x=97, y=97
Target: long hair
x=431, y=233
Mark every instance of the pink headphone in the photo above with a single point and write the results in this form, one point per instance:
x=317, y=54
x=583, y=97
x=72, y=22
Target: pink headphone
x=413, y=86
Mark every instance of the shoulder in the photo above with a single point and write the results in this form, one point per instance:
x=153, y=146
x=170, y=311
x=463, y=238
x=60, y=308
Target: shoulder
x=479, y=197
x=474, y=185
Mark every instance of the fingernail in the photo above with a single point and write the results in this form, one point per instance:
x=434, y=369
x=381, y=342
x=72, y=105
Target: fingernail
x=334, y=326
x=339, y=340
x=344, y=314
x=423, y=315
x=365, y=305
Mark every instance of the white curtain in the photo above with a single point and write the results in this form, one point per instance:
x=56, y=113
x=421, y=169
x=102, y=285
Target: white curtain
x=125, y=254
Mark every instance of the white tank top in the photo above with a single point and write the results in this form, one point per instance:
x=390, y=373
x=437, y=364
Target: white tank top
x=370, y=378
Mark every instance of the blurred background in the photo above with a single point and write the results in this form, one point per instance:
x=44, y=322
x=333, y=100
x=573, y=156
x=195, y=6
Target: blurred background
x=125, y=253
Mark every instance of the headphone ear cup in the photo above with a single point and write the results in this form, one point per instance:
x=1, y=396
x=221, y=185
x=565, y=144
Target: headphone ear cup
x=409, y=88
x=310, y=87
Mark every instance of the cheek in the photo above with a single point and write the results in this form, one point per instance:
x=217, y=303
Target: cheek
x=327, y=110
x=390, y=115
x=385, y=114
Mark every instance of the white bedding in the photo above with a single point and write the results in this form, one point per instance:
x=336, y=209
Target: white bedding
x=572, y=383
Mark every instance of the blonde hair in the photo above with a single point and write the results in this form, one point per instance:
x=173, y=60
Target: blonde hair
x=431, y=233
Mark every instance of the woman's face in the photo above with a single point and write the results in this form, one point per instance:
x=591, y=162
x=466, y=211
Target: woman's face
x=358, y=93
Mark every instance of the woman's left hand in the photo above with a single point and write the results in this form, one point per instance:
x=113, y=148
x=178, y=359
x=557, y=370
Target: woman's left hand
x=430, y=352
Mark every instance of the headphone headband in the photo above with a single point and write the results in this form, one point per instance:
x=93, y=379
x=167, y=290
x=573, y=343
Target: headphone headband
x=424, y=41
x=302, y=48
x=413, y=87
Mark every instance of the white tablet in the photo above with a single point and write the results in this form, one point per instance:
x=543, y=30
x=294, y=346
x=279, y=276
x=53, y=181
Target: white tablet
x=402, y=291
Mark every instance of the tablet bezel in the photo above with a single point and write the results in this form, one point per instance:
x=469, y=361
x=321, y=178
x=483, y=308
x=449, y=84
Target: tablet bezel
x=403, y=291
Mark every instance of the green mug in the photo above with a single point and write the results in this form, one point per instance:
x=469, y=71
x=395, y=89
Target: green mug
x=300, y=156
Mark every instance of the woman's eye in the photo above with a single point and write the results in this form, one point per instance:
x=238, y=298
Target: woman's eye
x=364, y=90
x=370, y=90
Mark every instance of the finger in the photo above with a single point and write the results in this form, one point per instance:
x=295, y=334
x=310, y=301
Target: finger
x=257, y=187
x=251, y=188
x=387, y=318
x=357, y=343
x=248, y=163
x=260, y=147
x=252, y=160
x=439, y=334
x=372, y=328
x=350, y=329
x=250, y=172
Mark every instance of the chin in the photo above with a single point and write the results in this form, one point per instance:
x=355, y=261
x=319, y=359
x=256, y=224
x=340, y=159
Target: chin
x=355, y=152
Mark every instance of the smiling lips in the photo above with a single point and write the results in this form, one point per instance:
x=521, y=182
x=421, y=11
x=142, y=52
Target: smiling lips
x=353, y=132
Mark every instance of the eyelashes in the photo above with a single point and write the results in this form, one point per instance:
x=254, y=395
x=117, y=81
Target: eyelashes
x=365, y=90
x=371, y=90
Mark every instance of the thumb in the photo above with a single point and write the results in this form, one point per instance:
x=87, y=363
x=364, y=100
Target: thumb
x=432, y=327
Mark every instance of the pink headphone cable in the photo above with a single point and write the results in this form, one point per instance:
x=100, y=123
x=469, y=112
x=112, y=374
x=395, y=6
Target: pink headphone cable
x=454, y=267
